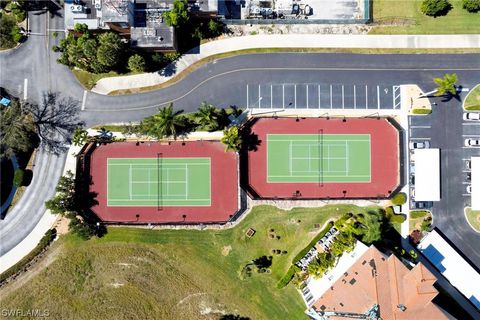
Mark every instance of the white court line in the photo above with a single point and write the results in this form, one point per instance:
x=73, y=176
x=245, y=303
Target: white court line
x=378, y=97
x=25, y=89
x=327, y=175
x=318, y=158
x=84, y=100
x=130, y=182
x=328, y=158
x=354, y=97
x=346, y=155
x=149, y=182
x=309, y=157
x=290, y=158
x=186, y=181
x=331, y=97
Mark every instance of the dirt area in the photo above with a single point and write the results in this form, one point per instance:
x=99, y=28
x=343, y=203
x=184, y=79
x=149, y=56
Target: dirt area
x=61, y=225
x=226, y=250
x=242, y=30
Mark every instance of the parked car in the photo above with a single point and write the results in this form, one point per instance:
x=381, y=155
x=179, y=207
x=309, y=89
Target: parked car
x=423, y=204
x=419, y=144
x=412, y=179
x=468, y=178
x=471, y=116
x=469, y=189
x=472, y=142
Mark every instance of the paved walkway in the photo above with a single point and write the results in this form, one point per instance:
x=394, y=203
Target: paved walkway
x=106, y=85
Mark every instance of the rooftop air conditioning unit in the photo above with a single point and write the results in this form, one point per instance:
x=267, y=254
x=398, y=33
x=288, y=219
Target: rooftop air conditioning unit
x=98, y=4
x=76, y=8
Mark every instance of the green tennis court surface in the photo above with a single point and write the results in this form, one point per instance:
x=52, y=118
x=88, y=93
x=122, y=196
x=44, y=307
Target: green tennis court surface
x=318, y=158
x=158, y=181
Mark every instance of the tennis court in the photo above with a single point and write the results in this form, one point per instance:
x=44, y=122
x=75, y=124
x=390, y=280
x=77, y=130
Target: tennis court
x=318, y=158
x=158, y=182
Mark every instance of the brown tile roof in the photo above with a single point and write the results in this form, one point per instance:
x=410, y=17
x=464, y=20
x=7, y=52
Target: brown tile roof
x=386, y=281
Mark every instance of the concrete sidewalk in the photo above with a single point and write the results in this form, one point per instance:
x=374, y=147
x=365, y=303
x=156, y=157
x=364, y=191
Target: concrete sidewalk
x=106, y=85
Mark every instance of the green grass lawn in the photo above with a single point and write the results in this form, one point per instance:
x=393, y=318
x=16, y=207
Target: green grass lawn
x=402, y=17
x=177, y=274
x=473, y=218
x=416, y=219
x=88, y=79
x=472, y=101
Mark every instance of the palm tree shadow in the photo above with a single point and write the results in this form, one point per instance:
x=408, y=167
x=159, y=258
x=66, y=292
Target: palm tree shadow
x=251, y=142
x=448, y=96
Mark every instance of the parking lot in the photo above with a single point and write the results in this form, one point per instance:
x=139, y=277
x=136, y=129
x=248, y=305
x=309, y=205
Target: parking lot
x=321, y=96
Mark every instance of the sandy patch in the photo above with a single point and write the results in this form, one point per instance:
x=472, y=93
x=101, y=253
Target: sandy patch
x=226, y=250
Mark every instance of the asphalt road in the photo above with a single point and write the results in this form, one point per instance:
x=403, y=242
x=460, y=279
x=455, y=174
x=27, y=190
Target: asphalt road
x=224, y=82
x=444, y=129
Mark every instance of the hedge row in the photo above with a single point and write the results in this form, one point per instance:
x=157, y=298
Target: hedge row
x=44, y=242
x=422, y=111
x=288, y=276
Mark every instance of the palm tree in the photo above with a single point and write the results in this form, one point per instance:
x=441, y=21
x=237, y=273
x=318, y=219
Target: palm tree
x=446, y=84
x=372, y=226
x=165, y=123
x=207, y=117
x=80, y=136
x=232, y=139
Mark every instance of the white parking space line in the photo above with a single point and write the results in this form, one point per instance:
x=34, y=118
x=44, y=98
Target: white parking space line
x=471, y=123
x=331, y=97
x=366, y=97
x=378, y=97
x=343, y=97
x=84, y=100
x=354, y=97
x=247, y=96
x=283, y=96
x=307, y=94
x=465, y=89
x=470, y=135
x=271, y=96
x=25, y=89
x=259, y=100
x=318, y=96
x=295, y=95
x=417, y=138
x=420, y=127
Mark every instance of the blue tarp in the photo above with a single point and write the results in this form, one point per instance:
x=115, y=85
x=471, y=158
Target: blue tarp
x=5, y=102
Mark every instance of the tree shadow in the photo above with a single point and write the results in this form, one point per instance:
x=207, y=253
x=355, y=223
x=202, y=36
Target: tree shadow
x=251, y=142
x=169, y=70
x=449, y=96
x=233, y=317
x=56, y=119
x=53, y=8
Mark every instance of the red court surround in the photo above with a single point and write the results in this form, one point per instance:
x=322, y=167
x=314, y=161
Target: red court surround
x=384, y=158
x=224, y=183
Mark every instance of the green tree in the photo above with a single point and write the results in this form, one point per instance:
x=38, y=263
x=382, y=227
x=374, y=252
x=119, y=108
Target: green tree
x=215, y=27
x=80, y=136
x=471, y=5
x=178, y=16
x=7, y=26
x=372, y=228
x=80, y=27
x=435, y=8
x=232, y=139
x=18, y=178
x=109, y=50
x=64, y=202
x=17, y=130
x=136, y=63
x=447, y=84
x=207, y=117
x=164, y=124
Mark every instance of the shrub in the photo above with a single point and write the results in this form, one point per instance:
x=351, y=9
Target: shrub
x=54, y=34
x=397, y=218
x=399, y=199
x=421, y=111
x=435, y=8
x=56, y=48
x=18, y=178
x=313, y=242
x=471, y=5
x=288, y=276
x=418, y=214
x=136, y=63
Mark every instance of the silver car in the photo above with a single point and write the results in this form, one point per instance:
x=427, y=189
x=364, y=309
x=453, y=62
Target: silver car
x=419, y=144
x=471, y=116
x=472, y=142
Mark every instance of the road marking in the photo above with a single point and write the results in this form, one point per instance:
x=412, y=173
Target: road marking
x=271, y=96
x=366, y=97
x=319, y=106
x=420, y=127
x=343, y=97
x=354, y=97
x=247, y=95
x=470, y=135
x=259, y=100
x=465, y=89
x=25, y=89
x=84, y=100
x=470, y=123
x=412, y=138
x=378, y=97
x=307, y=94
x=283, y=96
x=331, y=97
x=295, y=95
